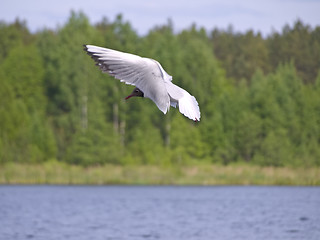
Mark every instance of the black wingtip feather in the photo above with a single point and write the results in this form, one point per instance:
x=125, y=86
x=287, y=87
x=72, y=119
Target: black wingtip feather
x=85, y=48
x=99, y=63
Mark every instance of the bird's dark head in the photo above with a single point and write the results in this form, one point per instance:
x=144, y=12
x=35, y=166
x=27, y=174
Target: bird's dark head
x=136, y=93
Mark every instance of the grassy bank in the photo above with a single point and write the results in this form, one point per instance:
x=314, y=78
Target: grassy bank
x=59, y=173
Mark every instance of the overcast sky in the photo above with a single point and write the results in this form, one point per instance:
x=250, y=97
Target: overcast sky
x=263, y=16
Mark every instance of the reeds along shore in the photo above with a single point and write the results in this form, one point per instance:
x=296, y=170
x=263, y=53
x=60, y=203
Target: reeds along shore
x=60, y=173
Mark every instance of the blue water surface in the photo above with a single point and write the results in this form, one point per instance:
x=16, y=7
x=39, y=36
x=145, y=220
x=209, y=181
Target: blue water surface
x=159, y=212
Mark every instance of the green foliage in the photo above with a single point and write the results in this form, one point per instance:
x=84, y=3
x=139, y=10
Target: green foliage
x=13, y=35
x=259, y=98
x=242, y=54
x=24, y=128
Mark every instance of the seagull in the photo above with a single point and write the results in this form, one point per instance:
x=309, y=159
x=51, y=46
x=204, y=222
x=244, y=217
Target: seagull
x=149, y=78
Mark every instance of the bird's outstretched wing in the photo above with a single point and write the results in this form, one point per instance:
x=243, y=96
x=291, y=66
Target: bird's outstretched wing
x=187, y=103
x=143, y=73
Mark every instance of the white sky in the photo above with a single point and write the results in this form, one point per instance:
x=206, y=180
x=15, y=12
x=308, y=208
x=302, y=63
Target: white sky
x=263, y=16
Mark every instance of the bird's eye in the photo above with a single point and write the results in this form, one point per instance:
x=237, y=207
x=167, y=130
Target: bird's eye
x=137, y=91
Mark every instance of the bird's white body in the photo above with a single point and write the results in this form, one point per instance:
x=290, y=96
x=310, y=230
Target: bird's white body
x=147, y=75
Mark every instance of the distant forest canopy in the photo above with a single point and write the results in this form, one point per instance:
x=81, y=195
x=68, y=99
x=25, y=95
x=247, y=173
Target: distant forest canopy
x=259, y=97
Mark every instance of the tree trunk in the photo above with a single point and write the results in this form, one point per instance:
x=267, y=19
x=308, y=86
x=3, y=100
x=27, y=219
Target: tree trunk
x=84, y=113
x=116, y=117
x=167, y=132
x=122, y=131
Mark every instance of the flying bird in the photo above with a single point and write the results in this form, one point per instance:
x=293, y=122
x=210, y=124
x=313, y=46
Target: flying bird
x=149, y=78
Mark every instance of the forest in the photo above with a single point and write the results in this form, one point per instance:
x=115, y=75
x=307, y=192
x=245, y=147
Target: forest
x=259, y=96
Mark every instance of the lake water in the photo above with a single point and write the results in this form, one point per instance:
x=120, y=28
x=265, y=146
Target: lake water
x=159, y=212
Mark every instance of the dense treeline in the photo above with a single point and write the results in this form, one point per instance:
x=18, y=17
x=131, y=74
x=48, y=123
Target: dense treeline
x=259, y=97
x=242, y=54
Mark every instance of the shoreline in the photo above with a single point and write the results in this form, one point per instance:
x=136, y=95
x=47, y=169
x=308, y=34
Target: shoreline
x=57, y=173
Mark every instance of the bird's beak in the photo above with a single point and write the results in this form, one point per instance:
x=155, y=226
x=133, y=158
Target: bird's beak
x=131, y=95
